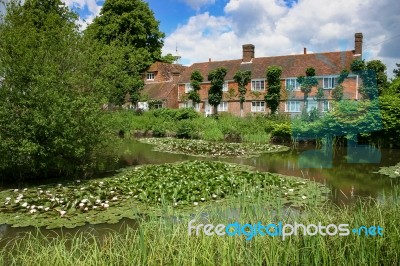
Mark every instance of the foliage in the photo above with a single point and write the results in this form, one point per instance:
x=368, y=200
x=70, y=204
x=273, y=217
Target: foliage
x=186, y=130
x=394, y=87
x=195, y=81
x=242, y=78
x=272, y=97
x=125, y=40
x=390, y=110
x=49, y=112
x=396, y=72
x=206, y=148
x=337, y=92
x=216, y=77
x=169, y=58
x=373, y=76
x=307, y=83
x=154, y=103
x=391, y=171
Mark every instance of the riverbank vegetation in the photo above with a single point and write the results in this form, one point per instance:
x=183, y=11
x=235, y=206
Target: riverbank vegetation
x=163, y=241
x=138, y=190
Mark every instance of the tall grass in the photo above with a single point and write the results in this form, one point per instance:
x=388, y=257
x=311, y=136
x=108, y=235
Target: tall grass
x=164, y=241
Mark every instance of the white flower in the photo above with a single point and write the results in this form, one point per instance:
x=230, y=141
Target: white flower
x=130, y=192
x=195, y=203
x=214, y=196
x=40, y=207
x=15, y=190
x=303, y=197
x=112, y=192
x=20, y=196
x=84, y=200
x=115, y=199
x=78, y=181
x=81, y=204
x=8, y=199
x=52, y=199
x=290, y=189
x=25, y=189
x=106, y=202
x=46, y=209
x=40, y=191
x=175, y=203
x=32, y=211
x=285, y=193
x=106, y=206
x=98, y=201
x=62, y=213
x=101, y=183
x=82, y=188
x=16, y=201
x=202, y=199
x=86, y=209
x=135, y=196
x=24, y=204
x=33, y=206
x=94, y=207
x=59, y=185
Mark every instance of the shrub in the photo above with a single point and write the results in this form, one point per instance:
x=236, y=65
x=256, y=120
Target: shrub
x=186, y=130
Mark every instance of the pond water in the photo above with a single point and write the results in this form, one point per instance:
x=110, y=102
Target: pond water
x=347, y=180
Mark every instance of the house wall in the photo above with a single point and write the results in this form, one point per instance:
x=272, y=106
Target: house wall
x=349, y=92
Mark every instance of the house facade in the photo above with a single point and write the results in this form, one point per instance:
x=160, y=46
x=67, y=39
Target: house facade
x=161, y=86
x=328, y=66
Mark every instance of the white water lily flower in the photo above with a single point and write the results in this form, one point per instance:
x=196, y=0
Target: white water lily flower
x=16, y=201
x=25, y=189
x=130, y=192
x=106, y=205
x=24, y=204
x=33, y=206
x=84, y=200
x=52, y=199
x=32, y=211
x=101, y=183
x=195, y=203
x=98, y=201
x=59, y=185
x=46, y=209
x=115, y=199
x=40, y=207
x=175, y=203
x=40, y=191
x=82, y=188
x=303, y=197
x=15, y=190
x=290, y=189
x=78, y=181
x=202, y=199
x=112, y=192
x=135, y=196
x=8, y=199
x=20, y=196
x=86, y=209
x=94, y=207
x=62, y=213
x=81, y=204
x=214, y=196
x=285, y=193
x=106, y=202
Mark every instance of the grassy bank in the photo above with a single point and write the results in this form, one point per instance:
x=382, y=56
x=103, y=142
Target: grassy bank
x=186, y=123
x=162, y=241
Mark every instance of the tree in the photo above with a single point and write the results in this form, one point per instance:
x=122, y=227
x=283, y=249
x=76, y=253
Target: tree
x=272, y=98
x=216, y=77
x=373, y=76
x=195, y=81
x=397, y=71
x=49, y=108
x=337, y=92
x=126, y=39
x=306, y=84
x=242, y=78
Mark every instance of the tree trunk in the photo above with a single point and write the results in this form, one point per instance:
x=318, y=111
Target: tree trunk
x=241, y=109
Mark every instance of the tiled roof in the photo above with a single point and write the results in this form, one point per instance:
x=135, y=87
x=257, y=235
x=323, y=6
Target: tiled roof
x=158, y=90
x=165, y=70
x=331, y=63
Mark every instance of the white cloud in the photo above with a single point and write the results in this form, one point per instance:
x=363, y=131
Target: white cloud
x=275, y=29
x=92, y=6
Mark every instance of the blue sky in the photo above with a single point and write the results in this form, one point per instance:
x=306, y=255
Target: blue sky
x=216, y=29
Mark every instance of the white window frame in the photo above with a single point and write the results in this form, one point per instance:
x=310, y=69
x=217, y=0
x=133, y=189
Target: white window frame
x=289, y=109
x=225, y=86
x=222, y=107
x=158, y=106
x=328, y=83
x=312, y=103
x=188, y=87
x=150, y=75
x=255, y=87
x=258, y=106
x=291, y=81
x=327, y=105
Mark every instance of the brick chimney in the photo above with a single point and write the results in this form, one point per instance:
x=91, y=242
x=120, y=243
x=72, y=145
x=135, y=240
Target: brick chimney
x=358, y=39
x=305, y=50
x=248, y=52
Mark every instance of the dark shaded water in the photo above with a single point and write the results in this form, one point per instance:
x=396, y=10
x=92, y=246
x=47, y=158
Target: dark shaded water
x=347, y=180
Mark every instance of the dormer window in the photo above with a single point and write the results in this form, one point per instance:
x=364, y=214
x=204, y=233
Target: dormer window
x=150, y=75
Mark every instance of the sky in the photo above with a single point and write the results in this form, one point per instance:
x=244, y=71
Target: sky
x=217, y=29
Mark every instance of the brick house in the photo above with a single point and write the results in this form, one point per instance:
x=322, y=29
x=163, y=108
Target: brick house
x=328, y=66
x=160, y=89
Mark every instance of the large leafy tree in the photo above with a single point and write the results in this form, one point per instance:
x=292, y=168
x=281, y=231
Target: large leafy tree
x=195, y=81
x=216, y=77
x=373, y=75
x=396, y=72
x=49, y=108
x=306, y=84
x=273, y=95
x=242, y=78
x=126, y=40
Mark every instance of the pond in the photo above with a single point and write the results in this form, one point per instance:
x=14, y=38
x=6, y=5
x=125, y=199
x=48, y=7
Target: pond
x=346, y=180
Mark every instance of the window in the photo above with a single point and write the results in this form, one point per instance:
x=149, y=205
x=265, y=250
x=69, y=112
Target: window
x=225, y=86
x=150, y=75
x=311, y=105
x=223, y=107
x=158, y=105
x=292, y=85
x=292, y=106
x=258, y=85
x=258, y=106
x=188, y=88
x=329, y=83
x=325, y=106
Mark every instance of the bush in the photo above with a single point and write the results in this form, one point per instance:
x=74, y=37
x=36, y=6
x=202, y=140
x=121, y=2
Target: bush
x=282, y=130
x=186, y=130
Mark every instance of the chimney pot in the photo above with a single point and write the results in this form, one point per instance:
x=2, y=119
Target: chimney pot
x=209, y=59
x=248, y=52
x=358, y=40
x=305, y=50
